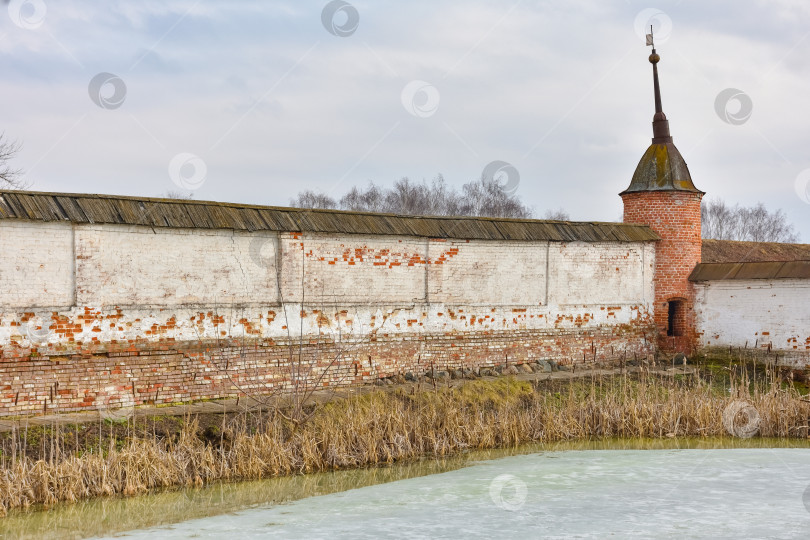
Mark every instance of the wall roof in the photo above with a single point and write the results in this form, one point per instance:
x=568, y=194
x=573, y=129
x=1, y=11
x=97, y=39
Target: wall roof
x=730, y=251
x=751, y=270
x=182, y=213
x=731, y=259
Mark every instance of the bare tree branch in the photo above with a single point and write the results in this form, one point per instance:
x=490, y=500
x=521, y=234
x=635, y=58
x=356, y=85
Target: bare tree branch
x=10, y=177
x=755, y=223
x=174, y=194
x=484, y=197
x=558, y=215
x=311, y=199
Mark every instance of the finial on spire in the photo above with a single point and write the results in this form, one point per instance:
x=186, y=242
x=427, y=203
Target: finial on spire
x=654, y=58
x=660, y=122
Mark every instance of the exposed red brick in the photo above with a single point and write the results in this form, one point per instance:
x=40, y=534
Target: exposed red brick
x=675, y=217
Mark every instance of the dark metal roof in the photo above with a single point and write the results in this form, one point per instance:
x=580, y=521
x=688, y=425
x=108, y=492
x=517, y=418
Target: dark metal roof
x=751, y=270
x=661, y=168
x=721, y=251
x=183, y=213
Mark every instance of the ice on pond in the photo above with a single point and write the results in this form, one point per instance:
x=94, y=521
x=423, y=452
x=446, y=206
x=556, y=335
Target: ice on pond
x=681, y=493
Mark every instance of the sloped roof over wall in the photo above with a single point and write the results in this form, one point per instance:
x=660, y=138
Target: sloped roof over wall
x=182, y=213
x=751, y=270
x=729, y=259
x=731, y=251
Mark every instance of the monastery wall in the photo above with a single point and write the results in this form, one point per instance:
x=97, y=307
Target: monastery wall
x=106, y=315
x=772, y=315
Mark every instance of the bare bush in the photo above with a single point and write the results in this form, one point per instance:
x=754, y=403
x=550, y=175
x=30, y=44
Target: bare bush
x=750, y=223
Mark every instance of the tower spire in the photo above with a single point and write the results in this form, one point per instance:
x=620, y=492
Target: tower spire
x=662, y=167
x=660, y=123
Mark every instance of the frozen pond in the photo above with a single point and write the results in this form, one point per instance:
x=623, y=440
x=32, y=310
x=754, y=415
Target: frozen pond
x=729, y=493
x=676, y=492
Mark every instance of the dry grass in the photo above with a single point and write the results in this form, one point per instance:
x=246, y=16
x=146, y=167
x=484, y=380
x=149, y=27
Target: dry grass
x=403, y=424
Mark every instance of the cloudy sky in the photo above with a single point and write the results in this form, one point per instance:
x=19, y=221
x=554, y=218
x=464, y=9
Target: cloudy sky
x=255, y=101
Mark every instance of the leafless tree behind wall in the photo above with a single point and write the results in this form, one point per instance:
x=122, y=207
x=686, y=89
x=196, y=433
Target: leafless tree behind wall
x=558, y=215
x=484, y=197
x=182, y=195
x=312, y=199
x=756, y=223
x=10, y=177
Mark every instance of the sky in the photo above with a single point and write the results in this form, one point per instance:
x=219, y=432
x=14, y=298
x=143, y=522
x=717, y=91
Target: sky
x=253, y=102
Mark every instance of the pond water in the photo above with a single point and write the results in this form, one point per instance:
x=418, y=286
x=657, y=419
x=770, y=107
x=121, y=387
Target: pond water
x=727, y=488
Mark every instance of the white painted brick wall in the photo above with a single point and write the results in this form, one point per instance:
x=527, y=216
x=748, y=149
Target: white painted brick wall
x=600, y=273
x=190, y=284
x=353, y=269
x=755, y=313
x=123, y=265
x=36, y=264
x=479, y=272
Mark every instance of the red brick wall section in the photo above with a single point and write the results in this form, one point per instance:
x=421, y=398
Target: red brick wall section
x=675, y=216
x=194, y=371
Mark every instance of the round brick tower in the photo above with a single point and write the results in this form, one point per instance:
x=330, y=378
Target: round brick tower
x=662, y=196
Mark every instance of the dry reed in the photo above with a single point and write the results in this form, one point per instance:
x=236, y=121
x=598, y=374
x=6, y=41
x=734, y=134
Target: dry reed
x=404, y=424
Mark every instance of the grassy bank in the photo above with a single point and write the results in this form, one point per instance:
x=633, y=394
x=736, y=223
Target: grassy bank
x=69, y=463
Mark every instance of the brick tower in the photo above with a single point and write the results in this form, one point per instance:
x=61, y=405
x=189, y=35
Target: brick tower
x=662, y=196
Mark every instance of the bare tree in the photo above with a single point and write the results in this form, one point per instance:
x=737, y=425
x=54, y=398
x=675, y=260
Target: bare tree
x=443, y=201
x=172, y=194
x=311, y=199
x=404, y=197
x=755, y=223
x=372, y=199
x=557, y=215
x=488, y=198
x=10, y=178
x=407, y=197
x=485, y=197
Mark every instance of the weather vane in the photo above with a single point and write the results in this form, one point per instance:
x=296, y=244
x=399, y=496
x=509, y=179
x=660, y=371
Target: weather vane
x=650, y=39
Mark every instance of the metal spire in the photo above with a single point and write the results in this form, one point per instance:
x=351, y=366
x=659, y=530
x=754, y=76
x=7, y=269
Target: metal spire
x=660, y=123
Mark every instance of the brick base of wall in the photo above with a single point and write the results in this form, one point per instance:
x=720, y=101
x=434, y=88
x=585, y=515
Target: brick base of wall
x=196, y=371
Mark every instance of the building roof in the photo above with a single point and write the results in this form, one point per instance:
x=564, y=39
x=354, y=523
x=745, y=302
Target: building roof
x=730, y=259
x=732, y=251
x=751, y=270
x=183, y=213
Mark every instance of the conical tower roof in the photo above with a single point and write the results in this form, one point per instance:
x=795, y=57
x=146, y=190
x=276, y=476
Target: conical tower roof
x=662, y=168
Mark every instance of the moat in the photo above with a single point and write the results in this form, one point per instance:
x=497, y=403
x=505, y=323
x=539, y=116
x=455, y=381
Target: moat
x=685, y=488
